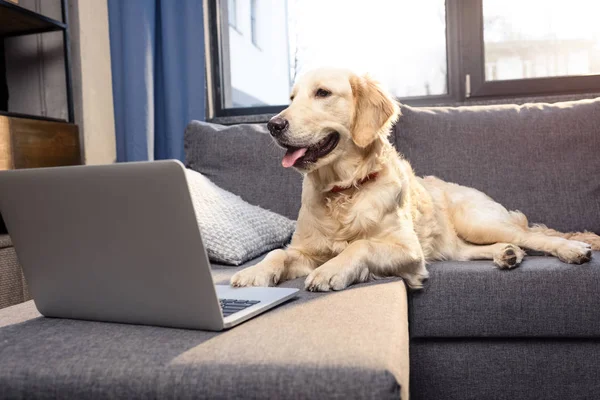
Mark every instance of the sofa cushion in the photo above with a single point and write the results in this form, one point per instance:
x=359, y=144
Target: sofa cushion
x=244, y=160
x=5, y=241
x=542, y=298
x=542, y=159
x=234, y=231
x=346, y=345
x=13, y=289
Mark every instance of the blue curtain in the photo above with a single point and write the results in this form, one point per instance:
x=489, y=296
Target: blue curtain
x=157, y=52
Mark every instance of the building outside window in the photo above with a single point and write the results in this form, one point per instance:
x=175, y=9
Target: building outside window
x=254, y=22
x=232, y=12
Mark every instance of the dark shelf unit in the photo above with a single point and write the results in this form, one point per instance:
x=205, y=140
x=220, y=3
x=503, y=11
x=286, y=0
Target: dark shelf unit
x=16, y=21
x=19, y=21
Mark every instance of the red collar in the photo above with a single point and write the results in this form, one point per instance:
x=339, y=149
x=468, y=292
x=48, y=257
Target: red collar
x=371, y=177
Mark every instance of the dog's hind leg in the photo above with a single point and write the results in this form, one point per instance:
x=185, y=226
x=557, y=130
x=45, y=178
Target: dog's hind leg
x=480, y=220
x=505, y=255
x=586, y=237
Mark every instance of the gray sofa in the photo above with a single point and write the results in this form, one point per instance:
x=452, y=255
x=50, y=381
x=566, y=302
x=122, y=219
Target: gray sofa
x=473, y=332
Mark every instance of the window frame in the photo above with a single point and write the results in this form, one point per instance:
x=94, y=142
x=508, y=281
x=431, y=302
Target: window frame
x=218, y=70
x=465, y=67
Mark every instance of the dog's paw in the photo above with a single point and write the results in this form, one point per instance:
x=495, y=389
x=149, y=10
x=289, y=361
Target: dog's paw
x=324, y=281
x=330, y=276
x=588, y=237
x=510, y=257
x=574, y=252
x=415, y=281
x=257, y=275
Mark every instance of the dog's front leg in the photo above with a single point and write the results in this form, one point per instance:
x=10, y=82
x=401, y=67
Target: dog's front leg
x=365, y=258
x=278, y=266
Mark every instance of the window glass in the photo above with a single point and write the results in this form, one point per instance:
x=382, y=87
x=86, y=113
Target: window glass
x=541, y=38
x=401, y=43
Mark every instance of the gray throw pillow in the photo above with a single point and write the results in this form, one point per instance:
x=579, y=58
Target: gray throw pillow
x=234, y=231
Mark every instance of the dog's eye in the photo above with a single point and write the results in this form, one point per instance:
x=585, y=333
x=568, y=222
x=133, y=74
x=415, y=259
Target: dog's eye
x=322, y=93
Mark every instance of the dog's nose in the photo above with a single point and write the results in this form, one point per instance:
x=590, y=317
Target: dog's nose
x=277, y=126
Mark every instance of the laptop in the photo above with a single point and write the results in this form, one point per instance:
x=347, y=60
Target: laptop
x=120, y=243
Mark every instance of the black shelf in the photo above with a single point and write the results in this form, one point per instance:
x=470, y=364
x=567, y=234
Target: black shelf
x=18, y=21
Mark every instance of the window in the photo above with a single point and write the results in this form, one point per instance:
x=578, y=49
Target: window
x=537, y=38
x=434, y=51
x=532, y=47
x=253, y=23
x=288, y=37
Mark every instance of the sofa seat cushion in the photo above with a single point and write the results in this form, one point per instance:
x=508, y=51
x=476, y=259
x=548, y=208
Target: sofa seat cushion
x=348, y=344
x=541, y=159
x=542, y=298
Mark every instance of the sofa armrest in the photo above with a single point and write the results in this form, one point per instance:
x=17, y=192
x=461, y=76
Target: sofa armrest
x=351, y=344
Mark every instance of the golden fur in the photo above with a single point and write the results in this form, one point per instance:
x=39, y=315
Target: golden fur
x=394, y=224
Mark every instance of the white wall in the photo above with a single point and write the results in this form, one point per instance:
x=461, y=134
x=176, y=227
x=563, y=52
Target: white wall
x=92, y=79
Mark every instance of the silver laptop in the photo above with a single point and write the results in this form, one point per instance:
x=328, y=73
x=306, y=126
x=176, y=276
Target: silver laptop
x=120, y=243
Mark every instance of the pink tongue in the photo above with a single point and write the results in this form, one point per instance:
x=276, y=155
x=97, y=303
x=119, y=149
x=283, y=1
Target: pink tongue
x=291, y=157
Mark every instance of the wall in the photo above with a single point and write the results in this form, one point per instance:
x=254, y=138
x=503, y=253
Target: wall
x=92, y=79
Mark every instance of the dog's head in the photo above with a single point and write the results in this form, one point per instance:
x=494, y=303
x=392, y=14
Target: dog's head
x=331, y=111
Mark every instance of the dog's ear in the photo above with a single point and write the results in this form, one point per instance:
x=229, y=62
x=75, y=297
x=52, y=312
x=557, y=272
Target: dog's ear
x=374, y=110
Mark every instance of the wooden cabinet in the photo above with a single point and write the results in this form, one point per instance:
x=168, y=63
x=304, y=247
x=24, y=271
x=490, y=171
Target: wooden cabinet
x=30, y=143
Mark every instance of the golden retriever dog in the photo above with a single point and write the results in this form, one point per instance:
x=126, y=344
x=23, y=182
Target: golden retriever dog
x=365, y=214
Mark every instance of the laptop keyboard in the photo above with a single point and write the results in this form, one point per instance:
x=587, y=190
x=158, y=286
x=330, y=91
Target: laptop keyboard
x=229, y=306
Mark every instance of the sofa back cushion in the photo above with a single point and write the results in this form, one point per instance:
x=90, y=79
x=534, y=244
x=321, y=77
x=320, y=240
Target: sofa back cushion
x=541, y=159
x=244, y=160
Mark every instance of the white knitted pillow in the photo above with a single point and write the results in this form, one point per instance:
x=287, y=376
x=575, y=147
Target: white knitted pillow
x=234, y=231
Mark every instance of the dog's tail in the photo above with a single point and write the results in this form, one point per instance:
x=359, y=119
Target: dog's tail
x=587, y=237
